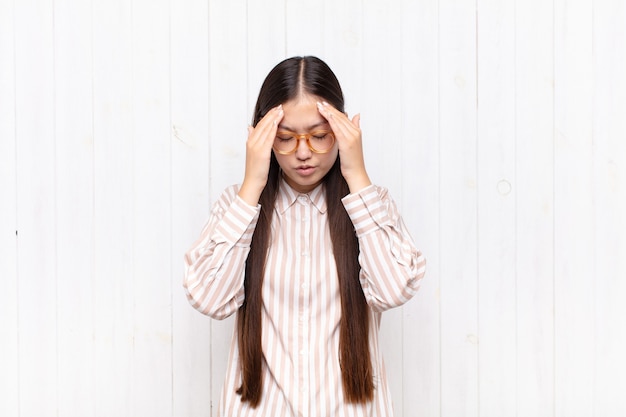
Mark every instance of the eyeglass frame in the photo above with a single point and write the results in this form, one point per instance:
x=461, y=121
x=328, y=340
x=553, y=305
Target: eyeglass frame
x=307, y=137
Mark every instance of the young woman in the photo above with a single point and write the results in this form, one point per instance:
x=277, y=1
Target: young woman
x=307, y=253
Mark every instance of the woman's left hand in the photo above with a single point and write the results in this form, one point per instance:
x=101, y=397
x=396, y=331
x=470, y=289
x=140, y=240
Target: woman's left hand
x=348, y=136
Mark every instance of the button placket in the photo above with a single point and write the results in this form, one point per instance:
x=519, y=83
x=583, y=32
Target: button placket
x=304, y=301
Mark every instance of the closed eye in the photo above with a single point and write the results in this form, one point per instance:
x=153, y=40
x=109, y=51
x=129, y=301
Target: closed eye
x=322, y=134
x=283, y=136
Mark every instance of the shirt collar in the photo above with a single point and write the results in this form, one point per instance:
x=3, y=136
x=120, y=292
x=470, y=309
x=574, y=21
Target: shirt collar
x=287, y=196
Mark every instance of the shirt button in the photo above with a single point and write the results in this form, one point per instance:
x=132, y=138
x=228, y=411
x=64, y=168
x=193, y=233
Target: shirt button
x=305, y=286
x=305, y=253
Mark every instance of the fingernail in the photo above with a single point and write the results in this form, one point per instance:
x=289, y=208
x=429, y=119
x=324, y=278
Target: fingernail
x=324, y=103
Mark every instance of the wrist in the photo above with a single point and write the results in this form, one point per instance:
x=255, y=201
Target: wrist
x=250, y=193
x=357, y=182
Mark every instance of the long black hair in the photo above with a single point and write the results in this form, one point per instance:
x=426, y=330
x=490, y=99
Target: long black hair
x=288, y=80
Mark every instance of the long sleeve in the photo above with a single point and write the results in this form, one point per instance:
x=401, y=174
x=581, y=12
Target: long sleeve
x=302, y=312
x=391, y=266
x=215, y=264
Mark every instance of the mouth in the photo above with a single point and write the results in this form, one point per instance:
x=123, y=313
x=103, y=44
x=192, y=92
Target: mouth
x=305, y=170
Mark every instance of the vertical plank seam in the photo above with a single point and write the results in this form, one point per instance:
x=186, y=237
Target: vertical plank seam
x=209, y=186
x=402, y=141
x=171, y=199
x=439, y=247
x=55, y=202
x=93, y=210
x=477, y=202
x=515, y=212
x=17, y=246
x=554, y=298
x=133, y=143
x=285, y=14
x=593, y=208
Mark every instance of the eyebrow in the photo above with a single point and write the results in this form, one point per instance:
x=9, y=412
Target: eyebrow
x=316, y=125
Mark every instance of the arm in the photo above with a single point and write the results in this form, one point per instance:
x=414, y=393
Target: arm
x=391, y=266
x=215, y=264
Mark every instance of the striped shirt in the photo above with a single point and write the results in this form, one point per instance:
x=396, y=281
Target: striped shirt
x=301, y=300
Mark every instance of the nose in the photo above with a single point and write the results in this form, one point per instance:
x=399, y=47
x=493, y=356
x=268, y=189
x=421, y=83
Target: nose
x=303, y=152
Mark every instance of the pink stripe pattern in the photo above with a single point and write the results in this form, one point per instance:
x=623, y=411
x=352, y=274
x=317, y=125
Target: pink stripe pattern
x=301, y=301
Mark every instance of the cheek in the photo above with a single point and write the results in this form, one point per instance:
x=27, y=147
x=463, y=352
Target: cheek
x=281, y=159
x=331, y=157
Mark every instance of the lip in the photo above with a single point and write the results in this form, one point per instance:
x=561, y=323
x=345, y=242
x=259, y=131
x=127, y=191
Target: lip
x=305, y=170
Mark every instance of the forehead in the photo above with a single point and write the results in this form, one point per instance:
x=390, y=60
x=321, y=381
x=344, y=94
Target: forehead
x=301, y=114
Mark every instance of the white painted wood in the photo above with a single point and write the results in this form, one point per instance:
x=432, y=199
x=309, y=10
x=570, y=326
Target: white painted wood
x=609, y=196
x=534, y=192
x=381, y=87
x=419, y=204
x=122, y=121
x=9, y=352
x=151, y=215
x=191, y=361
x=496, y=193
x=266, y=43
x=573, y=209
x=36, y=208
x=228, y=122
x=304, y=27
x=228, y=112
x=382, y=145
x=457, y=210
x=74, y=193
x=113, y=209
x=343, y=40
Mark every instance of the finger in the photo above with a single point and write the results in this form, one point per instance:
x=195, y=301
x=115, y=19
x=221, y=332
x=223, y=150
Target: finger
x=343, y=127
x=267, y=126
x=326, y=110
x=270, y=120
x=356, y=120
x=335, y=118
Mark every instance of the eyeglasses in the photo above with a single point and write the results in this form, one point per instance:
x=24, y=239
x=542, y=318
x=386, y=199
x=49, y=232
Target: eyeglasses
x=319, y=141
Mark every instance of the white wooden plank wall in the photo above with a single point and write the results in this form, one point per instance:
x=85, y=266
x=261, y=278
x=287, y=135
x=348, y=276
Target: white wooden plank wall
x=498, y=125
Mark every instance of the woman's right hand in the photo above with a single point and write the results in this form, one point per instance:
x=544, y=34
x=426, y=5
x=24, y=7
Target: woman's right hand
x=258, y=154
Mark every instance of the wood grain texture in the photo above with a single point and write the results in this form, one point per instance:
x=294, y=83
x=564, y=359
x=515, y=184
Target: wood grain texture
x=36, y=208
x=458, y=244
x=189, y=87
x=496, y=191
x=497, y=126
x=9, y=345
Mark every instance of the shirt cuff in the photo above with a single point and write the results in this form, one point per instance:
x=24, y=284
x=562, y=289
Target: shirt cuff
x=238, y=223
x=366, y=210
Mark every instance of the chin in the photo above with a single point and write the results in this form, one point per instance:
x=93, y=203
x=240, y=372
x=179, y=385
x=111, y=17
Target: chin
x=304, y=186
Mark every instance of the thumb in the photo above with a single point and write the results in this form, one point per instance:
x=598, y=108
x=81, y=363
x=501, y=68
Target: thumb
x=356, y=120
